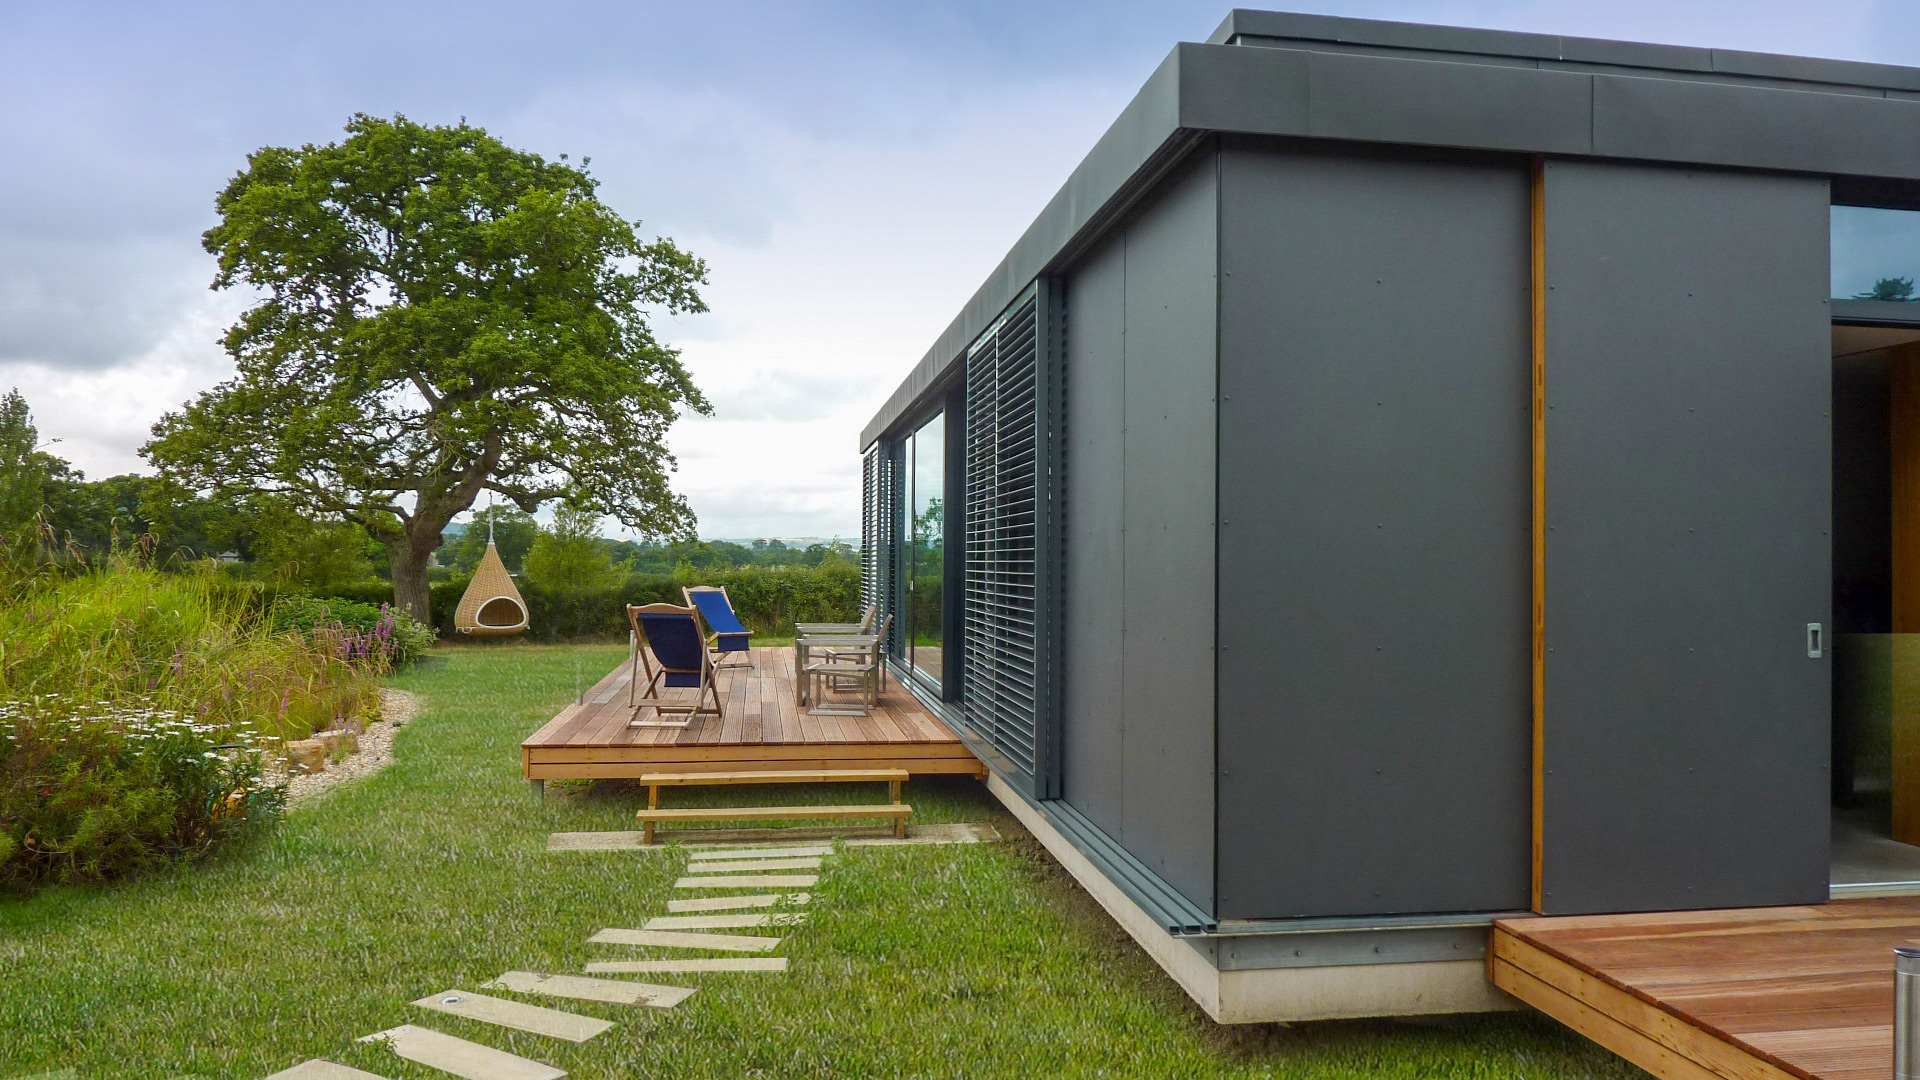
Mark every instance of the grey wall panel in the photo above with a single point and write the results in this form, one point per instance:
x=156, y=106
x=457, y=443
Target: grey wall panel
x=1688, y=459
x=1375, y=708
x=1169, y=464
x=1668, y=120
x=1095, y=588
x=1381, y=99
x=1138, y=693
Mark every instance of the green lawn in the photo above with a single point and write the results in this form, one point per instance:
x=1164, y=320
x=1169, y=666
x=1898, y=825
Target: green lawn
x=961, y=961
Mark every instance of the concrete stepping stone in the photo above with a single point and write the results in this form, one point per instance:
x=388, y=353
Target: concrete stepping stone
x=706, y=853
x=729, y=903
x=752, y=864
x=674, y=940
x=750, y=881
x=470, y=1060
x=724, y=922
x=728, y=963
x=516, y=1014
x=581, y=988
x=318, y=1069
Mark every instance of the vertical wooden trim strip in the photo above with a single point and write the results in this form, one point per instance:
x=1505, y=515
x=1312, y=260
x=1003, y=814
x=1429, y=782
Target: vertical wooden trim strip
x=1538, y=214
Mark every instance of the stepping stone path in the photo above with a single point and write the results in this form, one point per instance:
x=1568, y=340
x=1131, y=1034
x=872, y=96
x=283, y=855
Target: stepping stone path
x=741, y=963
x=613, y=991
x=730, y=868
x=460, y=1057
x=736, y=865
x=516, y=1014
x=750, y=881
x=674, y=940
x=728, y=903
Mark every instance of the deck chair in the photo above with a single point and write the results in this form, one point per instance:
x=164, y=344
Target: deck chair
x=729, y=635
x=864, y=626
x=671, y=635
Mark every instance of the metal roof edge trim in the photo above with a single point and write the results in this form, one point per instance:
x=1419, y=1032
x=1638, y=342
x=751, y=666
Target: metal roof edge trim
x=1381, y=33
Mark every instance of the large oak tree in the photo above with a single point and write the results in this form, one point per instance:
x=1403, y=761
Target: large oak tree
x=439, y=314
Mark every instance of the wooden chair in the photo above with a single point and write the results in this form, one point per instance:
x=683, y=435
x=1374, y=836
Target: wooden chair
x=671, y=634
x=864, y=626
x=730, y=635
x=841, y=669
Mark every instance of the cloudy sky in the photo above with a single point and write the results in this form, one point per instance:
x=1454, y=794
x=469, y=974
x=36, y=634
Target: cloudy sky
x=851, y=171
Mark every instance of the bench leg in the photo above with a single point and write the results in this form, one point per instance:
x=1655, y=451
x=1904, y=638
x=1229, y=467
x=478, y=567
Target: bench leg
x=539, y=789
x=899, y=823
x=653, y=803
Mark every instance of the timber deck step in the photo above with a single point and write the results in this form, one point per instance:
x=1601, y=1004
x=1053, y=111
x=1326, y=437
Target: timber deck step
x=654, y=781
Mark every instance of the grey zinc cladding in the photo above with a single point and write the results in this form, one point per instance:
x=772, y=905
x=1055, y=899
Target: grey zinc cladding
x=1649, y=102
x=1688, y=377
x=1375, y=717
x=1139, y=467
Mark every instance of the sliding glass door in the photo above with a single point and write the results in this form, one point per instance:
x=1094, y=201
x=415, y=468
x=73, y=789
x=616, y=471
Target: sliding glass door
x=924, y=554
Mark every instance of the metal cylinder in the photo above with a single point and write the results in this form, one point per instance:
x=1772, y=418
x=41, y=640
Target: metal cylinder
x=1906, y=1012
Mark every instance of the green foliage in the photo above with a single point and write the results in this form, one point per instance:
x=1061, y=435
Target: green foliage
x=27, y=473
x=97, y=793
x=195, y=644
x=706, y=556
x=513, y=531
x=768, y=599
x=352, y=628
x=439, y=314
x=291, y=549
x=569, y=557
x=1889, y=288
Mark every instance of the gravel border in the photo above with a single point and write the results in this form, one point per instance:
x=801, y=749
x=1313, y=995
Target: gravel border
x=376, y=749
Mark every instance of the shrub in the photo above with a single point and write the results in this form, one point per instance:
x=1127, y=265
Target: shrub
x=355, y=630
x=97, y=792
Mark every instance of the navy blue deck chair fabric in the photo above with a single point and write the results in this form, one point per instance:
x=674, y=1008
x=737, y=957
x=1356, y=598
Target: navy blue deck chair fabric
x=729, y=635
x=672, y=636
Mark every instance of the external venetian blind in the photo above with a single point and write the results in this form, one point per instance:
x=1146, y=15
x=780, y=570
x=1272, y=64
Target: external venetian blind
x=1003, y=433
x=878, y=499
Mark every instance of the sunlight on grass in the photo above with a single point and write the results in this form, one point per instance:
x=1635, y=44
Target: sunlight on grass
x=976, y=961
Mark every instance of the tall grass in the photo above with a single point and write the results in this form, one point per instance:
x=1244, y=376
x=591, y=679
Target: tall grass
x=187, y=643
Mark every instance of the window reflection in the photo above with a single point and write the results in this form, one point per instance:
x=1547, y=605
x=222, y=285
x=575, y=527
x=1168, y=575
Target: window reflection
x=1876, y=254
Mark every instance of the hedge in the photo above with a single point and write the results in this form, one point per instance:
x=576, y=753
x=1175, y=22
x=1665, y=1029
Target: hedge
x=768, y=599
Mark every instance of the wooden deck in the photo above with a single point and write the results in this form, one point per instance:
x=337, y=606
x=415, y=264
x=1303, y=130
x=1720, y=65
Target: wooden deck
x=760, y=727
x=1748, y=994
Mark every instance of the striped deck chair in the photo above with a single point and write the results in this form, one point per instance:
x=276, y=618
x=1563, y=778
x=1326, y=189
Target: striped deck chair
x=729, y=635
x=671, y=634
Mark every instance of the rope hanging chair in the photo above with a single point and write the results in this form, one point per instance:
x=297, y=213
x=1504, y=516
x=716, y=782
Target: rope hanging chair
x=491, y=606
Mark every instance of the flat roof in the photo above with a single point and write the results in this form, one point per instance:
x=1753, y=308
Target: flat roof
x=1371, y=81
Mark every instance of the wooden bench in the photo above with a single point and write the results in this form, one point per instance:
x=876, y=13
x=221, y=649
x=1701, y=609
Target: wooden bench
x=654, y=815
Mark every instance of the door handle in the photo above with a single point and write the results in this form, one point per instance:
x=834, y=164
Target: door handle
x=1815, y=646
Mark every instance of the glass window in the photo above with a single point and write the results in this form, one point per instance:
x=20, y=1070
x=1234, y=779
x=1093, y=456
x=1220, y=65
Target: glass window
x=1876, y=254
x=925, y=555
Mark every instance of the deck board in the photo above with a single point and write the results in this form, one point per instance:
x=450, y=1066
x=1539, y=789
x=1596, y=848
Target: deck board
x=760, y=727
x=1748, y=994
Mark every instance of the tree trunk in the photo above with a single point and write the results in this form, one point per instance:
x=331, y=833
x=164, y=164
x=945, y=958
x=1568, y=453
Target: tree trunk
x=410, y=591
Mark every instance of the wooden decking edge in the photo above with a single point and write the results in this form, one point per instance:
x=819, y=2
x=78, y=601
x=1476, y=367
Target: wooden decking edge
x=1647, y=1034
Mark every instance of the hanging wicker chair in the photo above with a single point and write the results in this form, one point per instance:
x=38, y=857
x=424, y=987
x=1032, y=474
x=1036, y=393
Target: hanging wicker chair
x=491, y=606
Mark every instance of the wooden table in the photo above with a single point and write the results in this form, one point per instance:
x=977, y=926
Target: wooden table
x=801, y=645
